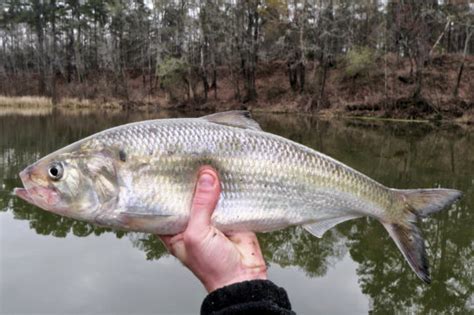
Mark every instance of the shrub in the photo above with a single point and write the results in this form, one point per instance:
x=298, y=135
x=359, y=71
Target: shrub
x=171, y=72
x=274, y=92
x=360, y=61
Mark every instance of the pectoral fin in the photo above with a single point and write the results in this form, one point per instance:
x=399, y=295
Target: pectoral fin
x=320, y=227
x=148, y=222
x=144, y=213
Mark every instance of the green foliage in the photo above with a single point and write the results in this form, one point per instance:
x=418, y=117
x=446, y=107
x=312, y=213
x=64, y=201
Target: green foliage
x=360, y=61
x=171, y=72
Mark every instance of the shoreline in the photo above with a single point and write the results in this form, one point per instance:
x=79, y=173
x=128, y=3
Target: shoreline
x=23, y=103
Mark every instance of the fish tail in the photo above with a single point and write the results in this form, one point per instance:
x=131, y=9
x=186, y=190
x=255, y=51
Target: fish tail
x=415, y=204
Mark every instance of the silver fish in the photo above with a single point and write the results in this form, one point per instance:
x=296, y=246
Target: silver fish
x=141, y=176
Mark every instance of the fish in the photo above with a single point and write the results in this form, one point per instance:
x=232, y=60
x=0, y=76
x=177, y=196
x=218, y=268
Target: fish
x=141, y=176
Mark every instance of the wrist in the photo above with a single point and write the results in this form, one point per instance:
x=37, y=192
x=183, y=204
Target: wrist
x=247, y=275
x=247, y=297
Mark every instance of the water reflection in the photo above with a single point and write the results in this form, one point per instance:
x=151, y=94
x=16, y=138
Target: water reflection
x=397, y=154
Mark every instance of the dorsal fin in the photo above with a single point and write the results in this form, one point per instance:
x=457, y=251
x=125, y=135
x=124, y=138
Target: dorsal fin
x=234, y=118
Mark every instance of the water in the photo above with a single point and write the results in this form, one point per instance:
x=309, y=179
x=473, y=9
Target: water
x=53, y=265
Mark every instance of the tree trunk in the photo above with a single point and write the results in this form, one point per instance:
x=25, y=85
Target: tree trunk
x=461, y=68
x=39, y=28
x=302, y=75
x=54, y=94
x=203, y=71
x=189, y=80
x=296, y=62
x=250, y=62
x=418, y=80
x=292, y=75
x=213, y=66
x=214, y=80
x=301, y=68
x=77, y=47
x=323, y=82
x=69, y=55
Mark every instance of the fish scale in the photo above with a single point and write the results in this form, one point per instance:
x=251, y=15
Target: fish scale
x=141, y=177
x=243, y=200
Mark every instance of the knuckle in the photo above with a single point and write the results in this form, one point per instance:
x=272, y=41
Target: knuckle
x=202, y=200
x=207, y=191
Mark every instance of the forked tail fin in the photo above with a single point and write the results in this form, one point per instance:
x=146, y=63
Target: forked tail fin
x=418, y=203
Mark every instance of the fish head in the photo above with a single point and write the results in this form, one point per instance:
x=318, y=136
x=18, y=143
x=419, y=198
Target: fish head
x=74, y=184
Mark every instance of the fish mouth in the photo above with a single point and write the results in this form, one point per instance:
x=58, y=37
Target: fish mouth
x=23, y=193
x=36, y=194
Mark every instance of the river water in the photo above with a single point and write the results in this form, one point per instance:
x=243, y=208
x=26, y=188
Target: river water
x=54, y=265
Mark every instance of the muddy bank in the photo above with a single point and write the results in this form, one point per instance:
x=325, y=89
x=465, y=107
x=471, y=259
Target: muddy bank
x=414, y=108
x=387, y=91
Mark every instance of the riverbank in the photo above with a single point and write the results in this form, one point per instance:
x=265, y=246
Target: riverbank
x=31, y=105
x=385, y=89
x=46, y=102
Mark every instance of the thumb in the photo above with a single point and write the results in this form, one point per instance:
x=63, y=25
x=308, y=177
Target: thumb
x=206, y=196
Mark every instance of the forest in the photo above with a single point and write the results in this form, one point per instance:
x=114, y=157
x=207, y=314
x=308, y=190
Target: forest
x=394, y=58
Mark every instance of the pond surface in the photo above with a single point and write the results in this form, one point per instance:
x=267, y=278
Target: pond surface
x=54, y=265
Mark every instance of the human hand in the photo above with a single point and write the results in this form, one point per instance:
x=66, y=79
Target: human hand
x=216, y=259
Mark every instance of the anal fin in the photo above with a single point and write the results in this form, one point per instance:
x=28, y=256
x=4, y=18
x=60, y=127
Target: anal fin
x=320, y=227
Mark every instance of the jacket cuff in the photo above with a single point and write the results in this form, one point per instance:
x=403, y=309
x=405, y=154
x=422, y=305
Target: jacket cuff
x=245, y=297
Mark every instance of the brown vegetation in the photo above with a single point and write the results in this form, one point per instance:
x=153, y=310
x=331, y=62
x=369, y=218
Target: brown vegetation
x=386, y=91
x=408, y=59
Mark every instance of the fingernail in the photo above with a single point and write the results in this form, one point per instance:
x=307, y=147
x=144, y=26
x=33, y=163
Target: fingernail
x=206, y=180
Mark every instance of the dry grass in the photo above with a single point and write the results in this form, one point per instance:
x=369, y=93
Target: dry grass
x=25, y=111
x=84, y=111
x=467, y=118
x=40, y=101
x=25, y=101
x=84, y=103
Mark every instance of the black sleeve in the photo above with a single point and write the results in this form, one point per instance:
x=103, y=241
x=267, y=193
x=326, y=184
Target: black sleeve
x=248, y=297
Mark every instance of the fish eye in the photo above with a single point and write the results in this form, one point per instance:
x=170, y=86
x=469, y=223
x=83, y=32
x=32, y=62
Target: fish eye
x=55, y=171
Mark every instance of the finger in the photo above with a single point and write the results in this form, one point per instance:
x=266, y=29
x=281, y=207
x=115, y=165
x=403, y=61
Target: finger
x=166, y=240
x=175, y=245
x=206, y=196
